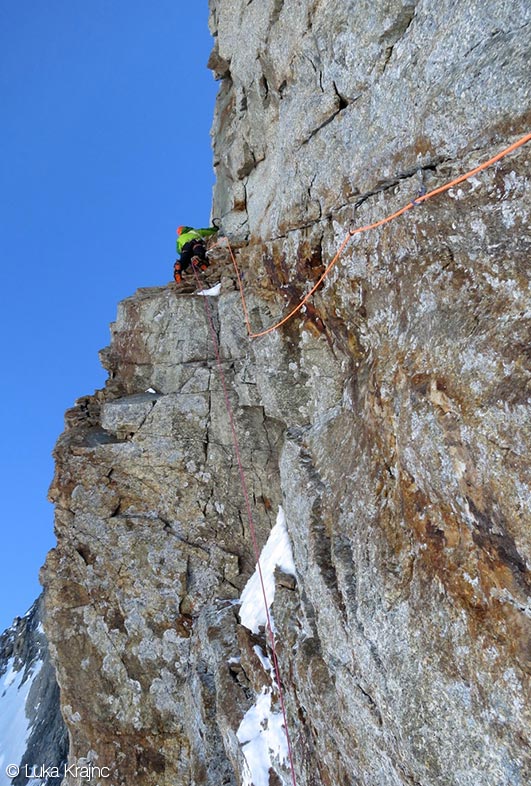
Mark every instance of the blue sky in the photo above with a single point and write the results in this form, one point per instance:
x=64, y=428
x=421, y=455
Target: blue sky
x=105, y=149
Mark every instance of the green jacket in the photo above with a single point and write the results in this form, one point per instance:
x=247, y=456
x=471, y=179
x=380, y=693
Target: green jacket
x=189, y=233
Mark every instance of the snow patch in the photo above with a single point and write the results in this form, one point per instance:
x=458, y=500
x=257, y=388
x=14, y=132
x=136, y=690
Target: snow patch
x=276, y=553
x=212, y=292
x=263, y=739
x=264, y=660
x=14, y=725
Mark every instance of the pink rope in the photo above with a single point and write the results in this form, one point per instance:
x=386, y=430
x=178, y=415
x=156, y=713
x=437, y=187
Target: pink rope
x=252, y=530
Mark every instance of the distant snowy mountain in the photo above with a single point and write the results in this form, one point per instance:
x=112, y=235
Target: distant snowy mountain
x=33, y=738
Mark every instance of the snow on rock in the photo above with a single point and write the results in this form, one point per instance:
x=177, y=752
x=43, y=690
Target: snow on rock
x=264, y=660
x=276, y=553
x=263, y=739
x=261, y=732
x=14, y=723
x=212, y=292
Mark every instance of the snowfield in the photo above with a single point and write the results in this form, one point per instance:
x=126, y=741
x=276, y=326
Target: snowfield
x=14, y=725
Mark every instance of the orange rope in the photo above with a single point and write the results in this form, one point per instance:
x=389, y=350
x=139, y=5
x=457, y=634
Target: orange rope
x=522, y=141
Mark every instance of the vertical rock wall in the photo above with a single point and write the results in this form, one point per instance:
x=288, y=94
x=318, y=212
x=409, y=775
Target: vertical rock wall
x=153, y=548
x=391, y=420
x=408, y=495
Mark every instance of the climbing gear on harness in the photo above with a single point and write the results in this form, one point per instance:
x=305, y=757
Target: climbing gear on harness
x=197, y=262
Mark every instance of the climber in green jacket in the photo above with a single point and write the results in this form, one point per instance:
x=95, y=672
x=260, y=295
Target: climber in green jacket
x=192, y=249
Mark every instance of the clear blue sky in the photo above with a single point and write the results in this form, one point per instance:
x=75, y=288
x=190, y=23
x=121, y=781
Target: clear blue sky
x=105, y=149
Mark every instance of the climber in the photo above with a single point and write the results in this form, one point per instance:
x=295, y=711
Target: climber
x=192, y=249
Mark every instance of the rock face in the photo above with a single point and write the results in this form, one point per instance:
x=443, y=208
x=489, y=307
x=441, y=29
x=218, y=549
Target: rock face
x=151, y=545
x=390, y=419
x=33, y=735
